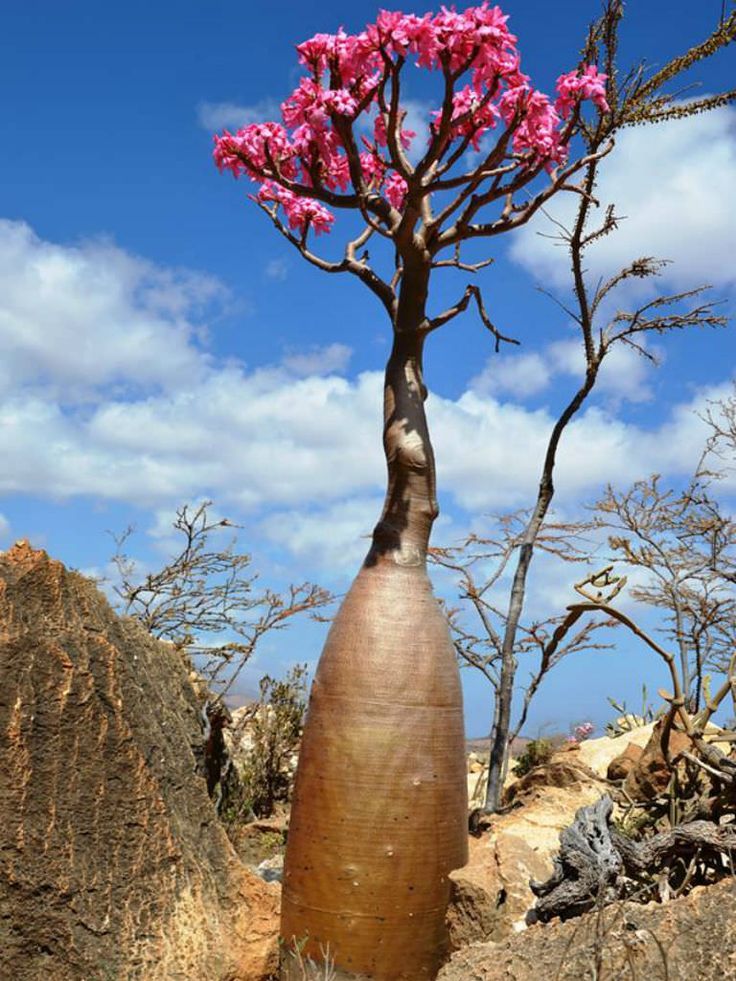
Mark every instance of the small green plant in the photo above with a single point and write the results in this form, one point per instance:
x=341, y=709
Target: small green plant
x=627, y=721
x=273, y=728
x=537, y=752
x=271, y=843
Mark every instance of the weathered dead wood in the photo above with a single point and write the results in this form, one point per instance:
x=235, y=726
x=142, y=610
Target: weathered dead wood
x=587, y=870
x=597, y=864
x=704, y=838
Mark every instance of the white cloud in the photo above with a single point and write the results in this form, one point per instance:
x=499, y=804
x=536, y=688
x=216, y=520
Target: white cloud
x=277, y=269
x=334, y=539
x=417, y=120
x=233, y=115
x=4, y=528
x=674, y=182
x=623, y=375
x=307, y=448
x=489, y=453
x=518, y=375
x=75, y=318
x=333, y=358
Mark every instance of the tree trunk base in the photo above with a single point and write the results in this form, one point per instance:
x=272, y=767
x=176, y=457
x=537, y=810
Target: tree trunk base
x=379, y=817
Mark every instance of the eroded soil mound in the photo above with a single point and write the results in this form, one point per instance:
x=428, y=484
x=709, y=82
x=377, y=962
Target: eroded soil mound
x=112, y=862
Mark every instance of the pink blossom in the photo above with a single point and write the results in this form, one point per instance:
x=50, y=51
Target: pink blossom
x=395, y=190
x=340, y=101
x=582, y=732
x=537, y=131
x=393, y=30
x=343, y=73
x=350, y=55
x=301, y=212
x=468, y=117
x=574, y=86
x=249, y=150
x=372, y=166
x=381, y=138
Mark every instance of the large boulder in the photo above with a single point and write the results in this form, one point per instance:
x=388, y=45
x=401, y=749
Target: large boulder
x=651, y=775
x=598, y=753
x=112, y=861
x=621, y=766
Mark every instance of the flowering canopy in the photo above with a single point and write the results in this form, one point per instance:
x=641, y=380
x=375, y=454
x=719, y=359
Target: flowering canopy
x=313, y=160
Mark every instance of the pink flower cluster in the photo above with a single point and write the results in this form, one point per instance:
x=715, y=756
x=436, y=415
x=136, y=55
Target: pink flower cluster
x=300, y=211
x=575, y=86
x=471, y=115
x=581, y=732
x=345, y=72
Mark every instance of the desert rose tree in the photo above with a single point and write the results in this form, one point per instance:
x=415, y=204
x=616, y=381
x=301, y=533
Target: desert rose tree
x=379, y=816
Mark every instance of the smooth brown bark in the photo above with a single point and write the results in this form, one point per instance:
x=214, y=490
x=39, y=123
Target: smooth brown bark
x=410, y=508
x=379, y=817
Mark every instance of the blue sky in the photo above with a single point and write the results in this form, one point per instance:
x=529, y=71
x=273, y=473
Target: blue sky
x=160, y=344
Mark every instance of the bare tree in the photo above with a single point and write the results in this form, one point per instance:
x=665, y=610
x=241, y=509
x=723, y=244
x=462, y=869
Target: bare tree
x=634, y=99
x=478, y=622
x=207, y=600
x=273, y=727
x=685, y=547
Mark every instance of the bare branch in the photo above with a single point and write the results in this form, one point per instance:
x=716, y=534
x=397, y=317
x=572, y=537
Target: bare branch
x=457, y=263
x=472, y=292
x=349, y=263
x=206, y=592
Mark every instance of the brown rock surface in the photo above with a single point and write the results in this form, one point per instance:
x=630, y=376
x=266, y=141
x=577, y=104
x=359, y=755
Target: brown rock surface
x=491, y=894
x=651, y=774
x=622, y=765
x=112, y=862
x=689, y=939
x=598, y=753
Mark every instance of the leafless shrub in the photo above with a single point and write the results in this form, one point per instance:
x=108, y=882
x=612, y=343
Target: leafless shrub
x=207, y=600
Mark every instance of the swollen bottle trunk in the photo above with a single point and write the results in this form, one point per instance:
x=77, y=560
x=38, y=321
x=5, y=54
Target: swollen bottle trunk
x=379, y=816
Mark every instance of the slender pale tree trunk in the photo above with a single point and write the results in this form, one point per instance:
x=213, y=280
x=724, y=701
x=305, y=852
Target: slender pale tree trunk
x=498, y=758
x=379, y=817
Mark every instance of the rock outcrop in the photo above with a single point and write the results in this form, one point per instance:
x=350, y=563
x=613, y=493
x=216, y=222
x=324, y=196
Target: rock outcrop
x=112, y=862
x=598, y=753
x=651, y=774
x=491, y=894
x=621, y=766
x=686, y=939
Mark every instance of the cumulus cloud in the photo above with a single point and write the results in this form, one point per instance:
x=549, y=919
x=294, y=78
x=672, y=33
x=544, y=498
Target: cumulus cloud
x=519, y=375
x=674, y=183
x=297, y=440
x=4, y=528
x=232, y=115
x=319, y=360
x=623, y=375
x=266, y=439
x=75, y=318
x=334, y=538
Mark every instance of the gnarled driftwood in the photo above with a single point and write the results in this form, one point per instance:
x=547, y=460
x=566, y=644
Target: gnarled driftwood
x=597, y=864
